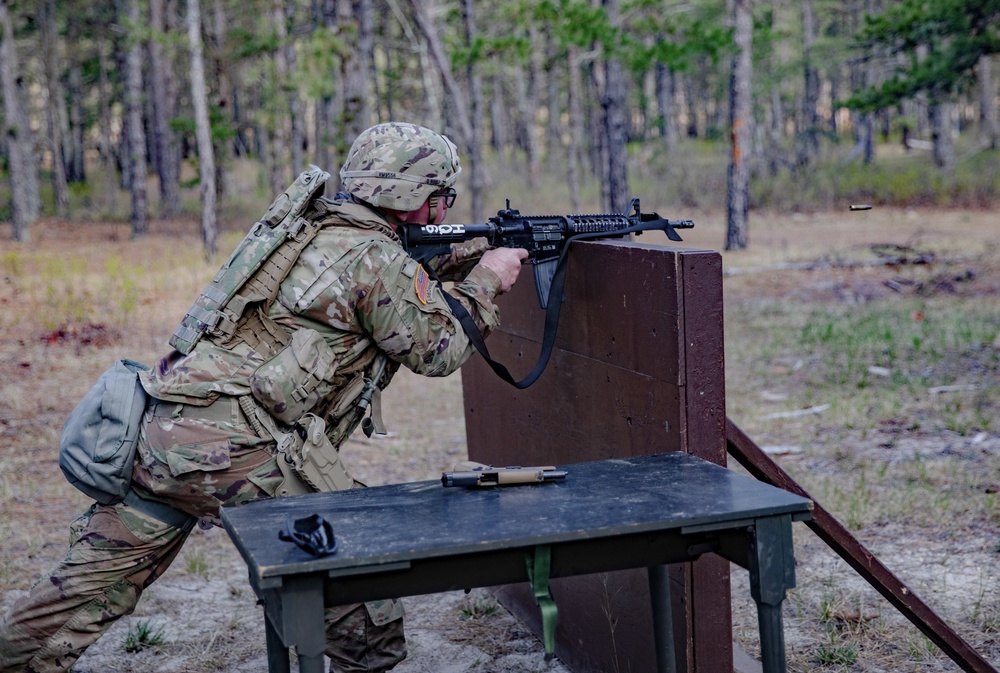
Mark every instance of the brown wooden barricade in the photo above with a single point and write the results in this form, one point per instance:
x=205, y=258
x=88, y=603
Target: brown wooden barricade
x=638, y=368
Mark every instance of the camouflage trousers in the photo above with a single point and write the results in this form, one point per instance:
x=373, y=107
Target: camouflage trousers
x=116, y=551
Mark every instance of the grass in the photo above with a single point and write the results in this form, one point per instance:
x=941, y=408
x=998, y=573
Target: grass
x=196, y=561
x=883, y=362
x=143, y=636
x=479, y=608
x=836, y=654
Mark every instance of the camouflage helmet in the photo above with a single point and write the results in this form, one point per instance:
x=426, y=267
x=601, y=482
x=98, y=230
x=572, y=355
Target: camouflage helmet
x=397, y=165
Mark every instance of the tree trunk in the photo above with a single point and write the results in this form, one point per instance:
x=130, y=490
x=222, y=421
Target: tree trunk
x=775, y=132
x=597, y=130
x=615, y=124
x=475, y=141
x=136, y=131
x=868, y=119
x=356, y=69
x=56, y=103
x=203, y=132
x=225, y=149
x=738, y=186
x=279, y=102
x=553, y=151
x=327, y=18
x=665, y=79
x=422, y=17
x=499, y=134
x=576, y=123
x=433, y=93
x=168, y=157
x=76, y=171
x=104, y=102
x=691, y=102
x=23, y=168
x=808, y=145
x=641, y=127
x=296, y=124
x=383, y=98
x=120, y=94
x=529, y=108
x=989, y=124
x=942, y=116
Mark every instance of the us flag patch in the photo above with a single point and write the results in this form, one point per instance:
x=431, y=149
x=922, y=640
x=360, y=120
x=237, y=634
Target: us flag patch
x=421, y=283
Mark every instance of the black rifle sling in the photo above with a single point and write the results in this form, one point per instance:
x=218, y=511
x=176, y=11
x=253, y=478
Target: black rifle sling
x=548, y=340
x=551, y=314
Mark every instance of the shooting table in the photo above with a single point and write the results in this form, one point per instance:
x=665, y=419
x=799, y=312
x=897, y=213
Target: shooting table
x=419, y=538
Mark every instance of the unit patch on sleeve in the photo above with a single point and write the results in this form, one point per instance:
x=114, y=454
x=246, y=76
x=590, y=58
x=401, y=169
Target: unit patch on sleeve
x=422, y=284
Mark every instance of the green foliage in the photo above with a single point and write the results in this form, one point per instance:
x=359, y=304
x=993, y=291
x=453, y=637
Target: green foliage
x=881, y=364
x=954, y=33
x=834, y=654
x=220, y=126
x=479, y=608
x=197, y=563
x=142, y=636
x=320, y=55
x=907, y=180
x=252, y=43
x=922, y=346
x=648, y=34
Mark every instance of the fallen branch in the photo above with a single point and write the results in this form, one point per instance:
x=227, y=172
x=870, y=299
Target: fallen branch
x=967, y=388
x=811, y=411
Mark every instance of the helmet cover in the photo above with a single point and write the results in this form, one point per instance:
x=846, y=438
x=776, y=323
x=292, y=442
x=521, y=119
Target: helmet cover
x=398, y=165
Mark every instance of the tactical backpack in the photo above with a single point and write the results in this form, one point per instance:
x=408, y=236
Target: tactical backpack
x=235, y=302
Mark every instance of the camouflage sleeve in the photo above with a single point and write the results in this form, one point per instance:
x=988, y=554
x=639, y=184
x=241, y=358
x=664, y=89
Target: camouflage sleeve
x=406, y=314
x=460, y=260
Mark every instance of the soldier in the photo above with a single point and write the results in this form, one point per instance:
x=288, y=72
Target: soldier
x=351, y=309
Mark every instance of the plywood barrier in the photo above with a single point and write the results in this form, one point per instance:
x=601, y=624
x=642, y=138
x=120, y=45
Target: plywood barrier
x=638, y=368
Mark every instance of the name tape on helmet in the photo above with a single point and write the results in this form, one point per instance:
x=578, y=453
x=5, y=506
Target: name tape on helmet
x=391, y=175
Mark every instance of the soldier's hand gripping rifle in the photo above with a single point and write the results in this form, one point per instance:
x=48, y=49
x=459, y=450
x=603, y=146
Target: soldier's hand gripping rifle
x=547, y=239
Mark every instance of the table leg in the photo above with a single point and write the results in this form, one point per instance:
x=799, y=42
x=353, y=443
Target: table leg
x=772, y=572
x=301, y=612
x=663, y=620
x=277, y=653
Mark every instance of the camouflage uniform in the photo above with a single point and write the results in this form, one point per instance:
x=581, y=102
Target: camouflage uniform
x=356, y=286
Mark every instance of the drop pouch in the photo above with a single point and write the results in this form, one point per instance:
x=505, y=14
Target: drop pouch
x=98, y=442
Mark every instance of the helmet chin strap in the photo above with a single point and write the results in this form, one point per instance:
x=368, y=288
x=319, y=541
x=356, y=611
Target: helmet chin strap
x=432, y=201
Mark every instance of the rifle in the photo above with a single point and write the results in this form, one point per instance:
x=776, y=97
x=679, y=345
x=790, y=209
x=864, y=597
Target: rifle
x=545, y=237
x=477, y=475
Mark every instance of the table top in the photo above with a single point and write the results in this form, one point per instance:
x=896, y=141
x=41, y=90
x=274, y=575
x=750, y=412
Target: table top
x=419, y=520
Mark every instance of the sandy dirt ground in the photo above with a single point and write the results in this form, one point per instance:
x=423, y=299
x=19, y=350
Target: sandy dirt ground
x=203, y=607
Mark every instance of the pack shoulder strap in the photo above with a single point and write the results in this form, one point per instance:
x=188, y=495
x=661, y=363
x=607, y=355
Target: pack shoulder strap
x=248, y=282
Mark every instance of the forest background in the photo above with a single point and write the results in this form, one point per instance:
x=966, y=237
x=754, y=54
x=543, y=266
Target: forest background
x=795, y=93
x=862, y=348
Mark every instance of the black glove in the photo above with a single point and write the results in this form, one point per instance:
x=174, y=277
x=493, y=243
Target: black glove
x=313, y=534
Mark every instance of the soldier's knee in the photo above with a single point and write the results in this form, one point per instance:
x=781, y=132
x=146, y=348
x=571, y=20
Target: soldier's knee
x=356, y=644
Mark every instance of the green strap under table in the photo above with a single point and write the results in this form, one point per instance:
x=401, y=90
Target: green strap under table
x=538, y=576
